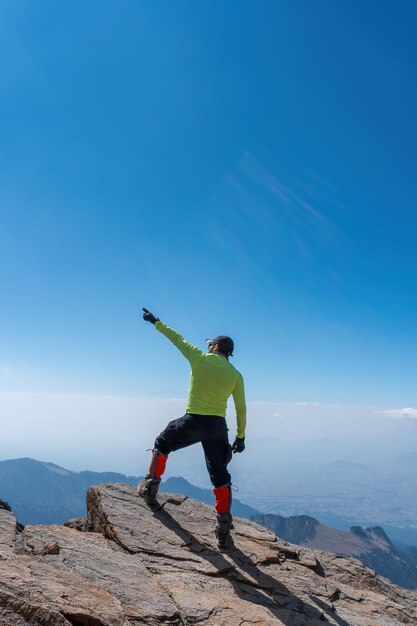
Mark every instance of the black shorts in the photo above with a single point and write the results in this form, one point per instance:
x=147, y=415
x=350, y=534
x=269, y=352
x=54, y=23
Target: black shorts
x=209, y=430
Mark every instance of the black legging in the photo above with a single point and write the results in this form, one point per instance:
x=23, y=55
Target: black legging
x=211, y=431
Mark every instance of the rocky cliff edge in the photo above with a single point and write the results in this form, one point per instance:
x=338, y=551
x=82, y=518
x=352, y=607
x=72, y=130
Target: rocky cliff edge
x=129, y=565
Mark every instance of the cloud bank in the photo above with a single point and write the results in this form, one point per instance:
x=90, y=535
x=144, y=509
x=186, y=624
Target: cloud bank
x=402, y=414
x=101, y=432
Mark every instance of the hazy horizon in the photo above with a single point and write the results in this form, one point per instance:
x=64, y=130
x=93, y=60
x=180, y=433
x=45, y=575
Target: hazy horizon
x=113, y=433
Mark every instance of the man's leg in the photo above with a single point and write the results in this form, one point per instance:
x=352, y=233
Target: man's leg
x=218, y=455
x=148, y=488
x=224, y=518
x=178, y=434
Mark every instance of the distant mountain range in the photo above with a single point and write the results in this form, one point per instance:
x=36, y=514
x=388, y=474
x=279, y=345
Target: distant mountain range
x=371, y=546
x=45, y=493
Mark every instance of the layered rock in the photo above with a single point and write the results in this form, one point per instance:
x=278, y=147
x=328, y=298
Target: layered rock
x=130, y=564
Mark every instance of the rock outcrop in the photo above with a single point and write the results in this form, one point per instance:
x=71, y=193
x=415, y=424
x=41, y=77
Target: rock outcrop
x=371, y=546
x=128, y=564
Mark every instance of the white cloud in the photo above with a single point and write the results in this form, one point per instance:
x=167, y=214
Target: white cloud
x=402, y=414
x=308, y=403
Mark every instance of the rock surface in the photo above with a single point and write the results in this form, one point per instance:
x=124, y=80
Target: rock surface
x=129, y=564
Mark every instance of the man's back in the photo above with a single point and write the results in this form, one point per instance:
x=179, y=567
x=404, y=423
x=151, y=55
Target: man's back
x=213, y=381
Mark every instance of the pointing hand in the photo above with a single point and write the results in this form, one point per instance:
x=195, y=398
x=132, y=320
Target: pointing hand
x=149, y=317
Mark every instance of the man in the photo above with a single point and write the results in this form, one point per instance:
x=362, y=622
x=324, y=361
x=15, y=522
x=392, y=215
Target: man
x=213, y=381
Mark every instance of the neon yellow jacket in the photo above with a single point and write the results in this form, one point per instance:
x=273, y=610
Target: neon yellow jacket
x=213, y=381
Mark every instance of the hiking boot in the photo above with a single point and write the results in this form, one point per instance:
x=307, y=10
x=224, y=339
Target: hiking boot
x=148, y=489
x=222, y=529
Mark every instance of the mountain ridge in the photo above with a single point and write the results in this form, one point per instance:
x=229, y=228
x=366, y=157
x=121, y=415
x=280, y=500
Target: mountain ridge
x=371, y=546
x=45, y=493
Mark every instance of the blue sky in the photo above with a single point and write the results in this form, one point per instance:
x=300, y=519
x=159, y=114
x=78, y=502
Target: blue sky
x=236, y=167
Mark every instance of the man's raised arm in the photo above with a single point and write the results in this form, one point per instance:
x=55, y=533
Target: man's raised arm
x=191, y=353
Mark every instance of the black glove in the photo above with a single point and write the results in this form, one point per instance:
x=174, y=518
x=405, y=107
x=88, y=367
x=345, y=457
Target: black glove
x=148, y=317
x=238, y=445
